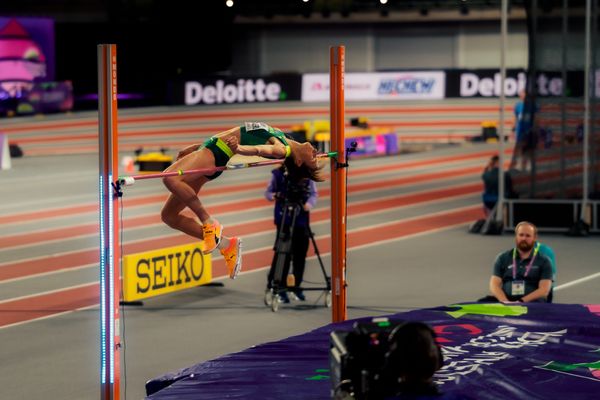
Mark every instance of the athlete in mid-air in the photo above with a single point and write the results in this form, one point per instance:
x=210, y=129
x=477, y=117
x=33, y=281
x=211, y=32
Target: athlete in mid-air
x=250, y=139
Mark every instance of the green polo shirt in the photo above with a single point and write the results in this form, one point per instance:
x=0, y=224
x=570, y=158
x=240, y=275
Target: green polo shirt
x=503, y=268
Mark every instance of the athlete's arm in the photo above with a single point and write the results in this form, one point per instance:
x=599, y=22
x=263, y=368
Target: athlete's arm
x=262, y=150
x=273, y=149
x=189, y=149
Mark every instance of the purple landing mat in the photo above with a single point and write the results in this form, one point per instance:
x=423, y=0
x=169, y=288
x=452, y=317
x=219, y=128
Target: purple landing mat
x=491, y=351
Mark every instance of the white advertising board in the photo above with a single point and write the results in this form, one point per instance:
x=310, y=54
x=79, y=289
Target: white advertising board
x=405, y=85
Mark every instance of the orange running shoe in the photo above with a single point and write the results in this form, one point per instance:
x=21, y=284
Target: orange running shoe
x=233, y=257
x=212, y=236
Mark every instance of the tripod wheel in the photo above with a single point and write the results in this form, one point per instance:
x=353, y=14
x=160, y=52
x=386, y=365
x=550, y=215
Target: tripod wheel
x=268, y=297
x=328, y=299
x=274, y=303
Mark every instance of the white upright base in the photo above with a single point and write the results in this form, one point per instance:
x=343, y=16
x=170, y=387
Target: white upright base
x=4, y=152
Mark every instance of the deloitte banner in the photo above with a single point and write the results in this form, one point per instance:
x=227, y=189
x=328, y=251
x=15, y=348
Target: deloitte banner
x=406, y=85
x=487, y=83
x=236, y=90
x=484, y=83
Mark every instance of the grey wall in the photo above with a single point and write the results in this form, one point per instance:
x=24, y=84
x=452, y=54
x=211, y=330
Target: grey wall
x=264, y=49
x=395, y=50
x=550, y=48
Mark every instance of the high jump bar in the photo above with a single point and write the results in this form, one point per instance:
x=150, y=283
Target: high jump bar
x=130, y=180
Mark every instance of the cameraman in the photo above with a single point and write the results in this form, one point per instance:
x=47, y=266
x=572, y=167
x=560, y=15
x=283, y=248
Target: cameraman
x=414, y=356
x=287, y=191
x=395, y=366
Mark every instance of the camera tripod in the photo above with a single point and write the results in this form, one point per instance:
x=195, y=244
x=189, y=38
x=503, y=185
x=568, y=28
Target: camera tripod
x=283, y=253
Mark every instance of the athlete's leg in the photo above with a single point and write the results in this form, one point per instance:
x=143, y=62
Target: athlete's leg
x=173, y=215
x=186, y=187
x=184, y=193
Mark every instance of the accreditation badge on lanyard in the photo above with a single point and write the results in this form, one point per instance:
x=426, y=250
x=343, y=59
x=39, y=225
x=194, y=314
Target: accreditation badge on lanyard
x=518, y=286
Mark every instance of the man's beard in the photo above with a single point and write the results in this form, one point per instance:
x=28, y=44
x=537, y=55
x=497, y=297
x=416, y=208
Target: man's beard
x=524, y=246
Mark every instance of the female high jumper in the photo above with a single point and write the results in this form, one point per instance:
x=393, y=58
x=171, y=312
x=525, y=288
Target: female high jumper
x=250, y=139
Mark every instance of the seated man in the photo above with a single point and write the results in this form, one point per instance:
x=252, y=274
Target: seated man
x=522, y=274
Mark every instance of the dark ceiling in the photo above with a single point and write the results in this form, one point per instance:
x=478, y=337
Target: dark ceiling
x=148, y=10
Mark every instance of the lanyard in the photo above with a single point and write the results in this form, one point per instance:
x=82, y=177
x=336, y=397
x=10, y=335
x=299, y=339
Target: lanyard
x=514, y=271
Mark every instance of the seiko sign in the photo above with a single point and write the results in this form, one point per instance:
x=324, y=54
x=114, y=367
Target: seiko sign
x=242, y=91
x=472, y=85
x=164, y=271
x=173, y=269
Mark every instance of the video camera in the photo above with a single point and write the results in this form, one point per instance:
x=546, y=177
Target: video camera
x=296, y=192
x=382, y=358
x=358, y=361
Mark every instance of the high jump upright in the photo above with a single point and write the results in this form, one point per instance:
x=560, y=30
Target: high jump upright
x=338, y=182
x=110, y=341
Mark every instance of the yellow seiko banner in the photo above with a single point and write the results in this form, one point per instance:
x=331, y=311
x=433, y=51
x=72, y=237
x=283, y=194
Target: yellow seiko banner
x=164, y=271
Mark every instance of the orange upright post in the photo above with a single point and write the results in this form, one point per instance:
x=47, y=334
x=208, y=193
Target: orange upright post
x=338, y=183
x=110, y=340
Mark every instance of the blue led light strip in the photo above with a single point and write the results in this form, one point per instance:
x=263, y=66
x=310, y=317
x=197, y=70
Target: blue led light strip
x=102, y=285
x=111, y=283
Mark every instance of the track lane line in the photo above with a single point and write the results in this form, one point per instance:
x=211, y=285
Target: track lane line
x=273, y=112
x=209, y=191
x=15, y=312
x=250, y=232
x=32, y=238
x=72, y=259
x=204, y=131
x=578, y=281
